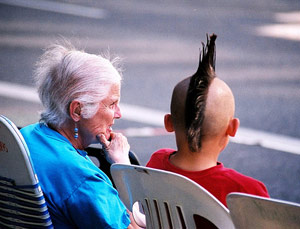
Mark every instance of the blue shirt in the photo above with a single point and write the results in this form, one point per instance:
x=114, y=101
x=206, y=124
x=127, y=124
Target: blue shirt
x=78, y=193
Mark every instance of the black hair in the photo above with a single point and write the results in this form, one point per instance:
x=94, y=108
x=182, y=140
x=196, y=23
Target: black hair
x=197, y=93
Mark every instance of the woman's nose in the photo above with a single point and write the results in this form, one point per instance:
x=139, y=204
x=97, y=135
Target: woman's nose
x=117, y=112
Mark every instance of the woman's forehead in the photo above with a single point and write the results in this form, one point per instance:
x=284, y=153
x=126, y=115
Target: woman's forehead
x=114, y=92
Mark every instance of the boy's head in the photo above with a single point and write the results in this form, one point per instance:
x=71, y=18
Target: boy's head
x=202, y=105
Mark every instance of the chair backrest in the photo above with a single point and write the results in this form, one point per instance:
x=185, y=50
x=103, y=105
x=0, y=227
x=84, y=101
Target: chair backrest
x=169, y=200
x=22, y=204
x=249, y=211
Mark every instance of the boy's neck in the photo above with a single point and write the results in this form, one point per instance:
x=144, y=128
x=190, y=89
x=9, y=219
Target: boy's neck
x=193, y=161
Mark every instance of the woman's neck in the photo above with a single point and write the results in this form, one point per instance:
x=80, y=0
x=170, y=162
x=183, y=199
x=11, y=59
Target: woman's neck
x=76, y=142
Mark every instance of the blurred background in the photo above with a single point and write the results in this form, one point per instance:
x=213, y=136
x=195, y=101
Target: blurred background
x=258, y=55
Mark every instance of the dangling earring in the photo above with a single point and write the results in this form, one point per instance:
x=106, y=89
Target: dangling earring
x=75, y=131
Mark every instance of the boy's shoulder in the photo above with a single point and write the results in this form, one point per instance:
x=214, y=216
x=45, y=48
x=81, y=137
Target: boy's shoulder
x=159, y=156
x=164, y=151
x=246, y=183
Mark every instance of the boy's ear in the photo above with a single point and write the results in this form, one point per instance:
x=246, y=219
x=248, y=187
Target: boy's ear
x=233, y=127
x=168, y=123
x=75, y=110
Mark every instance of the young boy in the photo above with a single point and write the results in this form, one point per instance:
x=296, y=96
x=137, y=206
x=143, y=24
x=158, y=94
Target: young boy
x=202, y=116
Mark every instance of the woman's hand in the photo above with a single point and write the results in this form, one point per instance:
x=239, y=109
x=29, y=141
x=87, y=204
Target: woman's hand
x=117, y=149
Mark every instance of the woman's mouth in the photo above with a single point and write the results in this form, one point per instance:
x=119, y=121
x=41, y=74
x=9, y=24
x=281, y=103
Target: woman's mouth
x=108, y=131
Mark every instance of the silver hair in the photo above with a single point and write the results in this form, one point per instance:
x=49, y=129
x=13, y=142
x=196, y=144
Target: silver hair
x=64, y=74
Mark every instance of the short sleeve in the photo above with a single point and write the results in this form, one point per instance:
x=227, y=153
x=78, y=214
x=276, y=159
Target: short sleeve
x=96, y=204
x=160, y=158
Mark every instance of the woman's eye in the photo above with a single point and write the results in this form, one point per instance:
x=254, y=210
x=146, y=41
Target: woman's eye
x=112, y=105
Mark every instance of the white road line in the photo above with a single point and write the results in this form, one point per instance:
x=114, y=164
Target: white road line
x=143, y=115
x=143, y=132
x=20, y=92
x=268, y=140
x=153, y=117
x=284, y=31
x=288, y=17
x=288, y=27
x=57, y=7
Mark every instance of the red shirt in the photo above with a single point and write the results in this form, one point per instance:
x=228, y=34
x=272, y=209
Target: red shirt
x=218, y=180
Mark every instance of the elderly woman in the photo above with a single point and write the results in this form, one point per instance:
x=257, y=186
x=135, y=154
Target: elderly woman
x=80, y=93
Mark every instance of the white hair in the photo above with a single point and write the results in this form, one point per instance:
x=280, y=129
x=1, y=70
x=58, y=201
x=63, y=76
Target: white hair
x=64, y=74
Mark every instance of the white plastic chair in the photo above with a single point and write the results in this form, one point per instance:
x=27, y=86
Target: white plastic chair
x=249, y=211
x=169, y=200
x=22, y=204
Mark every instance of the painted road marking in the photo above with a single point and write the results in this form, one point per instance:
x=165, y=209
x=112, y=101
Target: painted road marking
x=58, y=7
x=155, y=118
x=19, y=92
x=288, y=26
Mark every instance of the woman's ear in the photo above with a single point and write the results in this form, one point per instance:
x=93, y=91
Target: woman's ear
x=168, y=123
x=75, y=110
x=233, y=127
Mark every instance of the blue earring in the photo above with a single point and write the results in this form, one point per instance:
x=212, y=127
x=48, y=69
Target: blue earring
x=75, y=131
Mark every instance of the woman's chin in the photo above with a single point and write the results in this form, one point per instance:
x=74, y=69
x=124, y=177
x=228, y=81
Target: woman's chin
x=108, y=133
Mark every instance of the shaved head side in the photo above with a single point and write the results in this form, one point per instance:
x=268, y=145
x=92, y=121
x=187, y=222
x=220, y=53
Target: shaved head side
x=219, y=109
x=178, y=104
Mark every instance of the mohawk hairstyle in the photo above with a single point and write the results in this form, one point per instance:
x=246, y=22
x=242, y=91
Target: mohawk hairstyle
x=197, y=93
